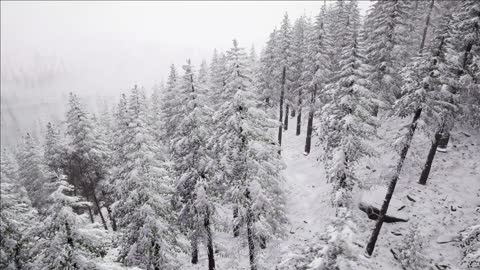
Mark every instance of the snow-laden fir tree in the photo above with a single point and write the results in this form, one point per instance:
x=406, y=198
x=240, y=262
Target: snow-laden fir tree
x=266, y=78
x=31, y=171
x=251, y=164
x=144, y=211
x=347, y=125
x=316, y=68
x=17, y=216
x=430, y=81
x=117, y=159
x=283, y=62
x=192, y=163
x=216, y=79
x=86, y=154
x=53, y=151
x=65, y=239
x=387, y=46
x=467, y=43
x=430, y=85
x=203, y=73
x=298, y=55
x=169, y=105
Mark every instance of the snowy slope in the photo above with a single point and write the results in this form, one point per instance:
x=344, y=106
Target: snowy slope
x=449, y=202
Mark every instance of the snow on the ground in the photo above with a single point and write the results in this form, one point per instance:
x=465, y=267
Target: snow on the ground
x=449, y=203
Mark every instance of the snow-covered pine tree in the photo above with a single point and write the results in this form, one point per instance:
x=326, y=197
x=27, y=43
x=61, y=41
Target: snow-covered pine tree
x=216, y=79
x=203, y=73
x=267, y=75
x=145, y=215
x=65, y=240
x=169, y=106
x=117, y=159
x=31, y=171
x=387, y=46
x=316, y=68
x=430, y=85
x=298, y=55
x=283, y=62
x=252, y=165
x=53, y=152
x=347, y=125
x=86, y=154
x=467, y=43
x=17, y=217
x=192, y=163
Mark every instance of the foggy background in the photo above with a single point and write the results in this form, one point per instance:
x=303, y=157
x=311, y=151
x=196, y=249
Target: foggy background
x=99, y=49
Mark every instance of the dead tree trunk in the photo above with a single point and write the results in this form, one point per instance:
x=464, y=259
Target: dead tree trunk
x=299, y=116
x=430, y=157
x=194, y=243
x=393, y=182
x=285, y=123
x=97, y=204
x=427, y=24
x=250, y=233
x=308, y=140
x=282, y=96
x=210, y=251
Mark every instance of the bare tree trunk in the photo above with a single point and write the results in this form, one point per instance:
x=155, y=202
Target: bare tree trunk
x=99, y=210
x=263, y=242
x=431, y=155
x=299, y=116
x=112, y=218
x=236, y=226
x=17, y=262
x=194, y=244
x=285, y=123
x=282, y=97
x=465, y=55
x=70, y=240
x=393, y=182
x=250, y=234
x=308, y=140
x=427, y=23
x=90, y=214
x=210, y=251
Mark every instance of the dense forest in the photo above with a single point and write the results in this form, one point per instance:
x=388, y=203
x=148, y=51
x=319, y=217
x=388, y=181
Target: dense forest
x=191, y=175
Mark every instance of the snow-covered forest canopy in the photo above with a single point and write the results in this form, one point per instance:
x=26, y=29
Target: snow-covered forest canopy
x=350, y=141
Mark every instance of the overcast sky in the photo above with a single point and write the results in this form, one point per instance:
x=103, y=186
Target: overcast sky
x=121, y=43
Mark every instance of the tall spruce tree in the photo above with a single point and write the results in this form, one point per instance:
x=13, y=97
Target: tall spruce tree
x=347, y=125
x=86, y=152
x=252, y=164
x=387, y=46
x=192, y=163
x=31, y=171
x=144, y=211
x=17, y=217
